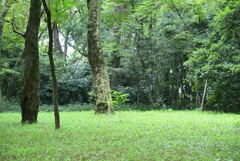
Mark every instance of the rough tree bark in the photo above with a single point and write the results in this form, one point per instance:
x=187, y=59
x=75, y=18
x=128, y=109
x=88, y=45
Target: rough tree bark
x=57, y=44
x=50, y=55
x=96, y=60
x=30, y=98
x=11, y=87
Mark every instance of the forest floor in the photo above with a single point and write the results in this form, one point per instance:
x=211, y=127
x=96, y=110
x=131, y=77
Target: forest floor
x=135, y=136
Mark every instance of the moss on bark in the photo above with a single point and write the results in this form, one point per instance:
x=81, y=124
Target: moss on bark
x=30, y=98
x=96, y=60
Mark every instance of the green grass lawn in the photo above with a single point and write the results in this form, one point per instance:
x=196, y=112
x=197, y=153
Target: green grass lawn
x=135, y=136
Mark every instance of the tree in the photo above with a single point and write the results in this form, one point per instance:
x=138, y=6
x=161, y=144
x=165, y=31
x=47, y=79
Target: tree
x=214, y=63
x=30, y=97
x=204, y=95
x=57, y=44
x=119, y=12
x=50, y=55
x=2, y=21
x=96, y=60
x=159, y=52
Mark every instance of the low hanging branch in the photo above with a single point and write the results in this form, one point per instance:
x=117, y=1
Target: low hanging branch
x=50, y=55
x=15, y=30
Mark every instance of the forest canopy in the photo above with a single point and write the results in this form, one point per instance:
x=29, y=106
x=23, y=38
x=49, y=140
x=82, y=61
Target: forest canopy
x=125, y=80
x=156, y=54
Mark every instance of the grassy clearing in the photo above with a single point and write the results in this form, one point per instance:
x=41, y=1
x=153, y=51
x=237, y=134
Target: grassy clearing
x=153, y=135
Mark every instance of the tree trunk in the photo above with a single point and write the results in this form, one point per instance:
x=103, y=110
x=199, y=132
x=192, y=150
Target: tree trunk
x=1, y=101
x=197, y=98
x=116, y=60
x=54, y=79
x=96, y=60
x=2, y=21
x=66, y=39
x=30, y=98
x=57, y=44
x=138, y=93
x=204, y=95
x=150, y=97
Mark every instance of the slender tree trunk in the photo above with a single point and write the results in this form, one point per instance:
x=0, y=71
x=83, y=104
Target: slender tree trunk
x=57, y=44
x=150, y=96
x=50, y=54
x=116, y=60
x=138, y=92
x=204, y=95
x=66, y=38
x=30, y=98
x=197, y=98
x=139, y=47
x=1, y=101
x=96, y=60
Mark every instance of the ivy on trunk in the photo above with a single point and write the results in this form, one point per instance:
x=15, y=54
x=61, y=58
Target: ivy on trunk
x=96, y=60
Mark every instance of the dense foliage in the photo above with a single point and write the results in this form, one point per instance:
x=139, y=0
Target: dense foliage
x=159, y=52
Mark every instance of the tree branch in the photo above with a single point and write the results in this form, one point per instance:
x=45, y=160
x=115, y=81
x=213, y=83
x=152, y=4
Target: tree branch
x=15, y=30
x=174, y=7
x=77, y=49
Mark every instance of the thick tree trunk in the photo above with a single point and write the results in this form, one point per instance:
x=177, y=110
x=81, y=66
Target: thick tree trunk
x=96, y=60
x=30, y=98
x=57, y=44
x=50, y=54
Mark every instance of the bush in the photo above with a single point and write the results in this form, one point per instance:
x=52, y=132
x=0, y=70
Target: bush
x=119, y=98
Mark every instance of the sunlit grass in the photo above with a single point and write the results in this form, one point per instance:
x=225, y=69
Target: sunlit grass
x=153, y=135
